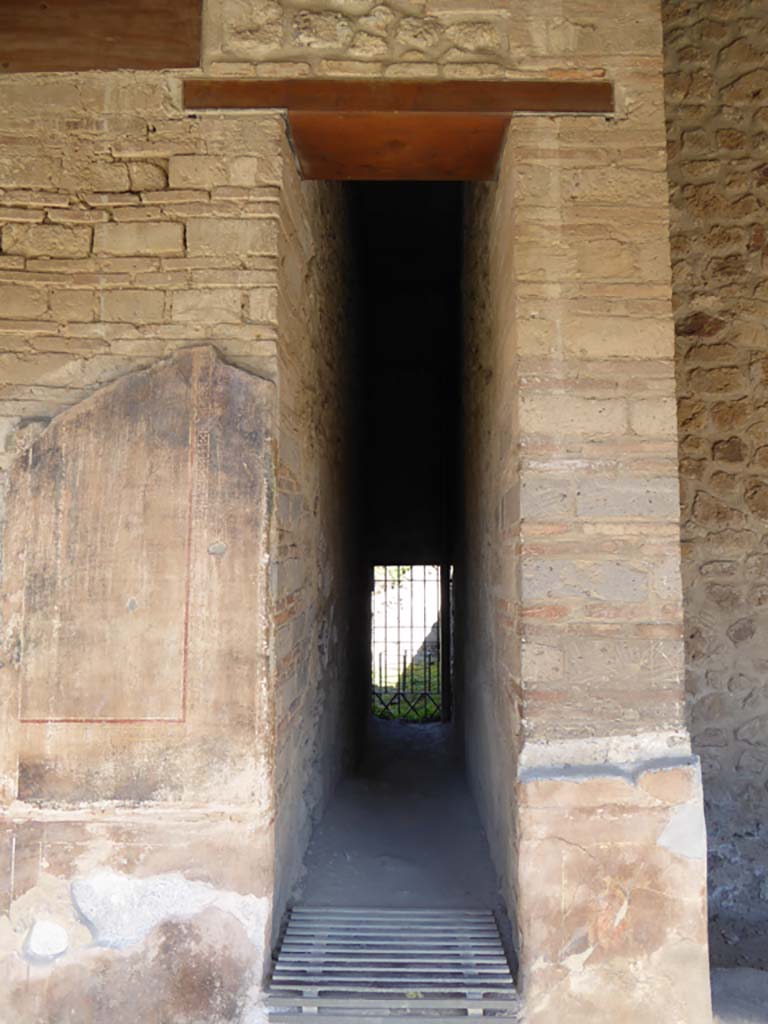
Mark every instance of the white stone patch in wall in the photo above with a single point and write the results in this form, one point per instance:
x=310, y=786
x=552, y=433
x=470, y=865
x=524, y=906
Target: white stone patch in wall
x=685, y=833
x=121, y=910
x=621, y=749
x=46, y=941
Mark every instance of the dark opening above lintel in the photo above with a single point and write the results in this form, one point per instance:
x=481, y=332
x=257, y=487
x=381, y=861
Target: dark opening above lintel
x=369, y=130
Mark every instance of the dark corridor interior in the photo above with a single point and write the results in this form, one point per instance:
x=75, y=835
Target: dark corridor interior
x=407, y=251
x=406, y=242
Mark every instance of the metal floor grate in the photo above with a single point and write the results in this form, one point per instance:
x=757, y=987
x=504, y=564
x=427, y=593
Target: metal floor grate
x=432, y=966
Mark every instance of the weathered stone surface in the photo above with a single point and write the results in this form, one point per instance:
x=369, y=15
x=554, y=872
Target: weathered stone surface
x=154, y=239
x=132, y=305
x=596, y=901
x=46, y=940
x=49, y=240
x=130, y=488
x=719, y=227
x=257, y=236
x=121, y=911
x=21, y=302
x=187, y=970
x=574, y=653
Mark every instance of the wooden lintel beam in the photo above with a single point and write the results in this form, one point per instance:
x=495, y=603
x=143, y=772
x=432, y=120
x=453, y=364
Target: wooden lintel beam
x=345, y=130
x=99, y=35
x=352, y=95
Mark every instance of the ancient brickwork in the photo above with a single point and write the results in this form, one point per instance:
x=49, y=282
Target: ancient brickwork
x=126, y=231
x=421, y=38
x=577, y=676
x=716, y=95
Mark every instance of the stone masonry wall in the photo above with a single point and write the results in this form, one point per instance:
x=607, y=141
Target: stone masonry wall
x=579, y=476
x=717, y=111
x=421, y=38
x=489, y=697
x=129, y=230
x=317, y=604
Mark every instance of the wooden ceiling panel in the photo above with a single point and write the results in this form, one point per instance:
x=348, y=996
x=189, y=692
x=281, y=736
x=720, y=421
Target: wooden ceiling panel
x=397, y=147
x=99, y=35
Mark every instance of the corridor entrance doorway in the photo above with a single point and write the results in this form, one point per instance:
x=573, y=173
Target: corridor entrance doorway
x=398, y=892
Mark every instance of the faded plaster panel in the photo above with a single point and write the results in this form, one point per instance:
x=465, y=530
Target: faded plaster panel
x=192, y=545
x=102, y=500
x=600, y=902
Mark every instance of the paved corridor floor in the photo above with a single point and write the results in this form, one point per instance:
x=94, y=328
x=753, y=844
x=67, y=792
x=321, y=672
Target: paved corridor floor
x=403, y=831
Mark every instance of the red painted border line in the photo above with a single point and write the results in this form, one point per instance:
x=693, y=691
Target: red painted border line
x=100, y=721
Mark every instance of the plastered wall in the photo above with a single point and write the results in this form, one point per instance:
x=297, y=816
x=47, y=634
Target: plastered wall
x=716, y=95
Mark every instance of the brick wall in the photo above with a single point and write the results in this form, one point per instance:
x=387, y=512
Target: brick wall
x=716, y=95
x=126, y=231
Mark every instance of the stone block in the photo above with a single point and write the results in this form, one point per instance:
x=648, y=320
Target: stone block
x=322, y=29
x=545, y=497
x=54, y=240
x=201, y=172
x=132, y=306
x=70, y=305
x=571, y=415
x=256, y=236
x=627, y=497
x=654, y=417
x=555, y=579
x=262, y=305
x=139, y=239
x=207, y=305
x=614, y=337
x=21, y=302
x=146, y=176
x=542, y=662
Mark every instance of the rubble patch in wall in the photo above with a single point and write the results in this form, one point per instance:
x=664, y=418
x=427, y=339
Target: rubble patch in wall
x=161, y=945
x=716, y=93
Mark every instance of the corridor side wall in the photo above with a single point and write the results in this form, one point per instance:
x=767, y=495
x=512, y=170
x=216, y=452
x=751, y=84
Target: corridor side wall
x=319, y=689
x=487, y=577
